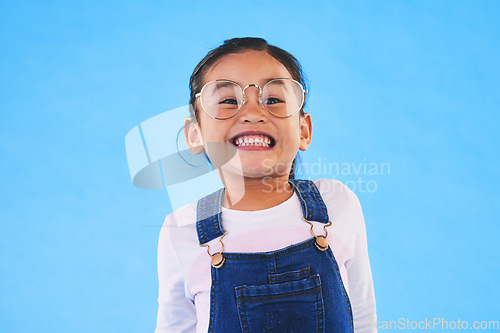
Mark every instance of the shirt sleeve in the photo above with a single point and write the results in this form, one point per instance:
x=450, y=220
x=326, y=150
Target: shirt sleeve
x=176, y=312
x=362, y=295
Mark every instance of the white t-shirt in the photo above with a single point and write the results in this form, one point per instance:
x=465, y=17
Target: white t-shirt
x=184, y=266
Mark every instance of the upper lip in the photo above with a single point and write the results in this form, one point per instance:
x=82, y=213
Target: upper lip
x=251, y=133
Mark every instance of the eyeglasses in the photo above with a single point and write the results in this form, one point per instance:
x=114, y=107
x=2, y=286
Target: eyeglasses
x=223, y=99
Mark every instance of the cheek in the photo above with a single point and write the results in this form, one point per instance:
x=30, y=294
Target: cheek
x=292, y=144
x=293, y=133
x=214, y=130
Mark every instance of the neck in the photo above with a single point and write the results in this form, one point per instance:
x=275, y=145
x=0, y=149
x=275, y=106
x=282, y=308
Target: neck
x=251, y=194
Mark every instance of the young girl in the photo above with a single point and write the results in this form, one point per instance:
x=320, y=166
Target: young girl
x=266, y=253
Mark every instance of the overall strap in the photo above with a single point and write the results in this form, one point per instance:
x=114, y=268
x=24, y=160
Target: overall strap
x=208, y=209
x=208, y=217
x=313, y=206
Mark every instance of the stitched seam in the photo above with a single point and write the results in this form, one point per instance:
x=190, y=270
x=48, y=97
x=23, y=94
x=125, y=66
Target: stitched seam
x=203, y=208
x=324, y=211
x=232, y=256
x=242, y=308
x=318, y=308
x=201, y=222
x=212, y=301
x=252, y=299
x=299, y=273
x=250, y=256
x=289, y=276
x=310, y=213
x=306, y=203
x=246, y=319
x=317, y=195
x=273, y=262
x=344, y=292
x=302, y=201
x=317, y=198
x=215, y=213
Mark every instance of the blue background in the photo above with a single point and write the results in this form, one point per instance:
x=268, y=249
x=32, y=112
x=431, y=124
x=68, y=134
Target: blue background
x=409, y=83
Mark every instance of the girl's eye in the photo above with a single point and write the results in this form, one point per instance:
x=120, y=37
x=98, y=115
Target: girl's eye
x=273, y=100
x=229, y=101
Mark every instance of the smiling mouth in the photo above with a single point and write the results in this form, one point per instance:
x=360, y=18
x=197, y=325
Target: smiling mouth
x=253, y=140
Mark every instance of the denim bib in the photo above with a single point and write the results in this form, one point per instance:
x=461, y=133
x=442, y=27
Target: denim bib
x=294, y=289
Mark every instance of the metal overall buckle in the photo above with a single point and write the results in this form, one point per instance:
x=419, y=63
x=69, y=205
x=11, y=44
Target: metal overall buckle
x=217, y=258
x=321, y=242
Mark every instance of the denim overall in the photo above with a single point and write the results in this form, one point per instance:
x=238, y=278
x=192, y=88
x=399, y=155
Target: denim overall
x=294, y=289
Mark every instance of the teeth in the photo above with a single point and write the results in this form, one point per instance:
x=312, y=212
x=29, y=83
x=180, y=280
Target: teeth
x=256, y=140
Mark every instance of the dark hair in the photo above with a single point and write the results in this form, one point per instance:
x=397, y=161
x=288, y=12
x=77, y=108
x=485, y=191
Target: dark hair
x=239, y=45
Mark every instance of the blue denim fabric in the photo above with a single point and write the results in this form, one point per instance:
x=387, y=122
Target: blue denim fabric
x=294, y=289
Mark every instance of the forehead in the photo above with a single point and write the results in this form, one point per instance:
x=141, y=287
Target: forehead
x=256, y=67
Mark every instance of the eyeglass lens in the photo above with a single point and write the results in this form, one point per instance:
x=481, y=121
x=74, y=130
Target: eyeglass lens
x=223, y=99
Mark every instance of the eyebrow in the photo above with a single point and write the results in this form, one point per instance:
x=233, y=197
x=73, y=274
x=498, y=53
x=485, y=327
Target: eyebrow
x=272, y=78
x=223, y=84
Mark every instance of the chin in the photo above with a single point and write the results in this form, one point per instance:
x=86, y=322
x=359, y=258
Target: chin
x=255, y=173
x=263, y=174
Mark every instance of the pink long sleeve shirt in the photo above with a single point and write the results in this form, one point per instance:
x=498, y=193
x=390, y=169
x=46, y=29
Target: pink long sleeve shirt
x=184, y=266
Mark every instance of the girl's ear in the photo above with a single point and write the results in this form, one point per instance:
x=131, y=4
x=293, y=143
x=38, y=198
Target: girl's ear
x=305, y=131
x=192, y=133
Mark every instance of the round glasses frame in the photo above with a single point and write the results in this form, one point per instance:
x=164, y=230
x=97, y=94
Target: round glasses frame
x=304, y=92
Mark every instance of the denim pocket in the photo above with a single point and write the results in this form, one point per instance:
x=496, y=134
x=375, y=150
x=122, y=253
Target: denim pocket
x=293, y=306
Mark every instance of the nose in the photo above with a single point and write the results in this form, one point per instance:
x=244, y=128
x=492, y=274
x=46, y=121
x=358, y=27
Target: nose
x=252, y=109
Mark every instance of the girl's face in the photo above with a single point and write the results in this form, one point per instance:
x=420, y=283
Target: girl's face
x=221, y=139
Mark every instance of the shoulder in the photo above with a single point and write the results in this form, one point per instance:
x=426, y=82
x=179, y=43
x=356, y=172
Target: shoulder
x=179, y=224
x=333, y=190
x=181, y=217
x=342, y=203
x=178, y=237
